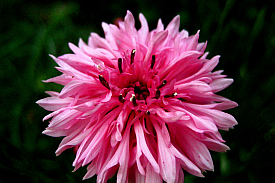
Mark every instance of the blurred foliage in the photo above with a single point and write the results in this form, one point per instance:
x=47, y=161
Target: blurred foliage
x=242, y=32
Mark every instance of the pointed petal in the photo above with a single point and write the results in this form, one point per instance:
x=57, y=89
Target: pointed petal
x=220, y=84
x=160, y=26
x=144, y=30
x=129, y=23
x=141, y=143
x=199, y=153
x=65, y=119
x=173, y=26
x=186, y=162
x=166, y=159
x=225, y=105
x=91, y=170
x=193, y=41
x=151, y=175
x=75, y=137
x=215, y=145
x=169, y=117
x=62, y=79
x=155, y=42
x=54, y=103
x=76, y=50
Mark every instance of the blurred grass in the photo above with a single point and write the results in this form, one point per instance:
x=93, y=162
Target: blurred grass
x=242, y=32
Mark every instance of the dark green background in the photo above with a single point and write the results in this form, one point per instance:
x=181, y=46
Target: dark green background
x=242, y=32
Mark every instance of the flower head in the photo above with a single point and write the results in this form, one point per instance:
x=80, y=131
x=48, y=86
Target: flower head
x=139, y=103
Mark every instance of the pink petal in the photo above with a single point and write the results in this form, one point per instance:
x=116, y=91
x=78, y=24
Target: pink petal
x=74, y=60
x=70, y=71
x=121, y=156
x=76, y=50
x=220, y=84
x=198, y=153
x=152, y=175
x=173, y=26
x=195, y=88
x=53, y=114
x=180, y=174
x=65, y=119
x=144, y=30
x=223, y=120
x=206, y=68
x=226, y=105
x=62, y=79
x=169, y=117
x=160, y=26
x=193, y=42
x=186, y=162
x=52, y=93
x=92, y=170
x=107, y=97
x=108, y=36
x=142, y=144
x=72, y=88
x=78, y=86
x=156, y=41
x=100, y=54
x=99, y=132
x=99, y=42
x=73, y=139
x=54, y=103
x=129, y=23
x=215, y=145
x=166, y=160
x=81, y=43
x=179, y=64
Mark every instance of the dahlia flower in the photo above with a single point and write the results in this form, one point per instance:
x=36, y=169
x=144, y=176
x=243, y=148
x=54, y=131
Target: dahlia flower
x=140, y=104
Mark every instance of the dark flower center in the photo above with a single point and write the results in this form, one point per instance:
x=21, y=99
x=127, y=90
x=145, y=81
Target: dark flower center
x=141, y=92
x=137, y=90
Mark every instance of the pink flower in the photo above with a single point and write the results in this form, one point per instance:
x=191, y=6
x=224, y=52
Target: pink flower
x=139, y=103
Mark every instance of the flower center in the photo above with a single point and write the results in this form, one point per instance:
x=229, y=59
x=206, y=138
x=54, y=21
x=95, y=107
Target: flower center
x=141, y=92
x=135, y=84
x=135, y=91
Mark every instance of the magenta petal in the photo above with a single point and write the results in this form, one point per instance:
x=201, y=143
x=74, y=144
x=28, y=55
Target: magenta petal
x=141, y=143
x=73, y=139
x=144, y=30
x=54, y=103
x=169, y=117
x=198, y=153
x=156, y=41
x=220, y=84
x=226, y=105
x=129, y=23
x=167, y=161
x=92, y=170
x=108, y=36
x=215, y=145
x=72, y=88
x=160, y=26
x=76, y=50
x=186, y=162
x=193, y=41
x=65, y=119
x=151, y=175
x=107, y=97
x=121, y=157
x=173, y=26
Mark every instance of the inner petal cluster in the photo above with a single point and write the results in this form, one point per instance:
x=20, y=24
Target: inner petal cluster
x=136, y=85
